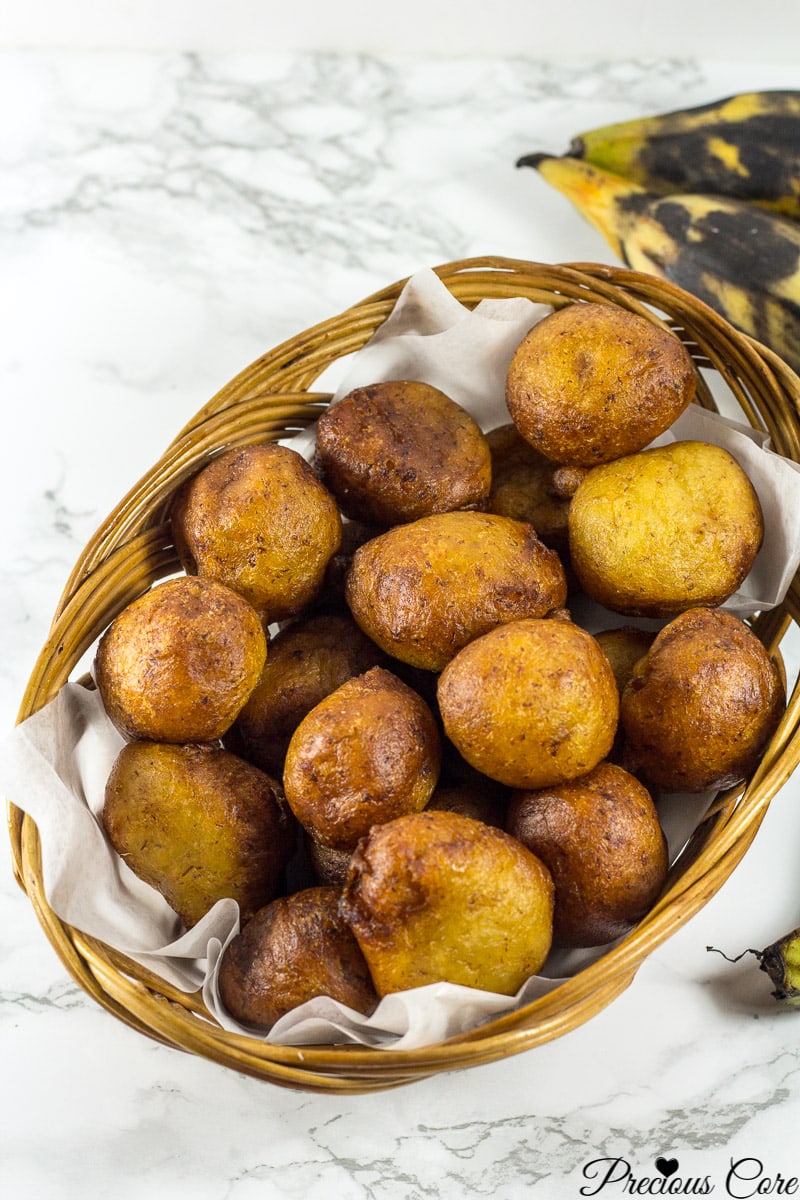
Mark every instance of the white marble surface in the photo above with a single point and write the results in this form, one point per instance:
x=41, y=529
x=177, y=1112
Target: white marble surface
x=163, y=219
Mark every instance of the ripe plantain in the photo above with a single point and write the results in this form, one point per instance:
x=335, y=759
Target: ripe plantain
x=739, y=259
x=745, y=146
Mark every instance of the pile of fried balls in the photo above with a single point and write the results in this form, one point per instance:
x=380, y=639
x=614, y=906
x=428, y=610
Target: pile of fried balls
x=364, y=710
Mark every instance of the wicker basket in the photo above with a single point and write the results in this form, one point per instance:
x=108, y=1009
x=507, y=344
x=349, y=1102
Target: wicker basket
x=132, y=549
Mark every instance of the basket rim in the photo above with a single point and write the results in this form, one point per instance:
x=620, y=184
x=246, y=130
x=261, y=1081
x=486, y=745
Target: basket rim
x=141, y=541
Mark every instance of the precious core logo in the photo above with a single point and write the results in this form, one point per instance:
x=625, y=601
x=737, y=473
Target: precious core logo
x=746, y=1177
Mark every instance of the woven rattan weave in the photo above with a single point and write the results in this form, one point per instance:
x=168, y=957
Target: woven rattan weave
x=132, y=549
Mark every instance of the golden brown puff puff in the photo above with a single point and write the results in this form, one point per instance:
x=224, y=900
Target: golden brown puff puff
x=530, y=704
x=602, y=842
x=258, y=519
x=295, y=949
x=670, y=528
x=436, y=896
x=178, y=664
x=423, y=590
x=368, y=752
x=593, y=382
x=701, y=705
x=199, y=825
x=396, y=451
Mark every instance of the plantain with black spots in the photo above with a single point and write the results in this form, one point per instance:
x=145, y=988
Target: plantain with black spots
x=745, y=146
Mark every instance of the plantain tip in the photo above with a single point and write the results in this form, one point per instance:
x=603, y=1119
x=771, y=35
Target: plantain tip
x=577, y=148
x=533, y=160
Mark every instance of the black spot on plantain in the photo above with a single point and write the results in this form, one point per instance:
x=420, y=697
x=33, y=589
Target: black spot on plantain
x=744, y=244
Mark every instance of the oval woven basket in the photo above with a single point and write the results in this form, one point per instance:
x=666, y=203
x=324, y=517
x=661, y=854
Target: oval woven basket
x=132, y=549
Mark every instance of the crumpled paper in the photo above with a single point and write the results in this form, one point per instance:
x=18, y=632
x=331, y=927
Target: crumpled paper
x=55, y=764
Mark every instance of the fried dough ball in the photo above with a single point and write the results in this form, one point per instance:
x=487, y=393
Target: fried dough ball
x=258, y=520
x=437, y=896
x=293, y=950
x=480, y=798
x=670, y=528
x=702, y=705
x=331, y=594
x=470, y=802
x=368, y=752
x=457, y=773
x=623, y=647
x=531, y=703
x=199, y=825
x=306, y=662
x=509, y=449
x=329, y=867
x=178, y=664
x=422, y=591
x=593, y=382
x=526, y=486
x=602, y=842
x=400, y=450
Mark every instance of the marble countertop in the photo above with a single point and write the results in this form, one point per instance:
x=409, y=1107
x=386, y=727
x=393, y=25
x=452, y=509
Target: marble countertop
x=165, y=218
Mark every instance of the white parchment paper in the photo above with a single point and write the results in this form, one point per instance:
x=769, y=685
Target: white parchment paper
x=54, y=766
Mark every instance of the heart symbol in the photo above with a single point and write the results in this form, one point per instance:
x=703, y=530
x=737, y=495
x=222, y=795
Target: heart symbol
x=667, y=1166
